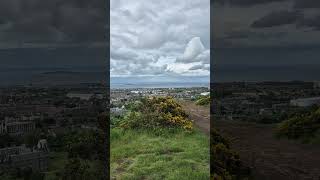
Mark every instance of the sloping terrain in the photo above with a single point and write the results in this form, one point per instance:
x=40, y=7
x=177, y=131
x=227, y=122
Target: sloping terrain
x=199, y=114
x=269, y=157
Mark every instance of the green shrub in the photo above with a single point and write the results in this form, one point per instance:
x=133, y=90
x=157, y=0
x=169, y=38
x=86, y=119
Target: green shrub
x=303, y=126
x=82, y=145
x=225, y=163
x=157, y=112
x=203, y=100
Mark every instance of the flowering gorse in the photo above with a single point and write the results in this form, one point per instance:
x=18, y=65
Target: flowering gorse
x=155, y=112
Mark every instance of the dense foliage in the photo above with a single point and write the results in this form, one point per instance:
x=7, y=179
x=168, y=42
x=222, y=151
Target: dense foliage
x=305, y=126
x=154, y=113
x=203, y=100
x=225, y=163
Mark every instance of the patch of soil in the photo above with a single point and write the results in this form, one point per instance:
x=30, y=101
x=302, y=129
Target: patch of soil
x=199, y=114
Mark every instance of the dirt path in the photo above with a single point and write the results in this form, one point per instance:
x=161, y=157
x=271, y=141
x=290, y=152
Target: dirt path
x=199, y=114
x=269, y=157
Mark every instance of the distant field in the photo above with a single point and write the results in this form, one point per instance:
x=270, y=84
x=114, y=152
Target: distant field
x=173, y=155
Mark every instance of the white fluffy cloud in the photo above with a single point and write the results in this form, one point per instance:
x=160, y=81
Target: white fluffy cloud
x=150, y=37
x=195, y=52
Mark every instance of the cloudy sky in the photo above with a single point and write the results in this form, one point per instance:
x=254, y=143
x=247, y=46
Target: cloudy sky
x=37, y=36
x=54, y=23
x=266, y=32
x=54, y=33
x=265, y=40
x=160, y=38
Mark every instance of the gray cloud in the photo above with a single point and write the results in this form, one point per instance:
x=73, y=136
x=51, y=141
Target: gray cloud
x=262, y=33
x=277, y=18
x=147, y=37
x=196, y=67
x=306, y=4
x=241, y=34
x=245, y=3
x=311, y=22
x=200, y=67
x=54, y=21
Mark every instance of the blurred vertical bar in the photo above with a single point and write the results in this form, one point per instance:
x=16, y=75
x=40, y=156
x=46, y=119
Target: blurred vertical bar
x=211, y=85
x=54, y=89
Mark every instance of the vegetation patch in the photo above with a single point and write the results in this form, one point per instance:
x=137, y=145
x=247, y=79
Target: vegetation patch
x=304, y=127
x=203, y=100
x=155, y=139
x=225, y=163
x=154, y=113
x=145, y=155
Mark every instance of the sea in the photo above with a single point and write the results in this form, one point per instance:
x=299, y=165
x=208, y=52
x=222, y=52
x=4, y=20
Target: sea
x=68, y=76
x=159, y=82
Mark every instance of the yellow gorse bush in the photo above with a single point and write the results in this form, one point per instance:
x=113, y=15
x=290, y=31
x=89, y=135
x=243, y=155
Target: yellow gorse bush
x=172, y=112
x=158, y=112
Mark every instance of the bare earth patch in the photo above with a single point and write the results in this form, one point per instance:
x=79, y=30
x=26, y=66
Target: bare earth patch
x=199, y=114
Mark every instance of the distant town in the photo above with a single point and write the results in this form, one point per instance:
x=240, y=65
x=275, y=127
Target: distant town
x=120, y=97
x=36, y=121
x=264, y=102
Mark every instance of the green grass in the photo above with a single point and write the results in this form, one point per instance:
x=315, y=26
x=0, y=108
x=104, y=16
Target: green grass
x=173, y=155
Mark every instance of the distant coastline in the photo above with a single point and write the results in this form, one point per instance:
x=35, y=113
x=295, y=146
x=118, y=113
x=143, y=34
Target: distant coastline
x=221, y=74
x=159, y=82
x=158, y=85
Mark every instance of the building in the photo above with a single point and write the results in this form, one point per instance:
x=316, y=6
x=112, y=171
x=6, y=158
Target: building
x=305, y=102
x=15, y=126
x=118, y=111
x=23, y=157
x=205, y=94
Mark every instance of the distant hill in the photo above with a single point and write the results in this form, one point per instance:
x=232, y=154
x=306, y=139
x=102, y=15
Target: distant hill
x=61, y=72
x=59, y=78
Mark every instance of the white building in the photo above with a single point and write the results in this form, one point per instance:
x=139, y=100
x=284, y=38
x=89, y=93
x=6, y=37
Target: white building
x=205, y=93
x=305, y=102
x=118, y=111
x=135, y=92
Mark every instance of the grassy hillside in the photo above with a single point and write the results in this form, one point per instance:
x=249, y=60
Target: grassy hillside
x=157, y=140
x=173, y=155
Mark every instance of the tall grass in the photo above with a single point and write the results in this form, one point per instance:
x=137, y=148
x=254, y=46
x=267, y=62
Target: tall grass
x=171, y=155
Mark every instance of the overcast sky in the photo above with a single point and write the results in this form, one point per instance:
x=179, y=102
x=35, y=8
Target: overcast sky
x=167, y=37
x=260, y=32
x=52, y=33
x=53, y=23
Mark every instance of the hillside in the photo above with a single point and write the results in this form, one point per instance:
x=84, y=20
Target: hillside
x=156, y=139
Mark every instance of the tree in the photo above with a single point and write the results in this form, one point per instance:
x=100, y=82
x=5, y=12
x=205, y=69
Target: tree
x=74, y=169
